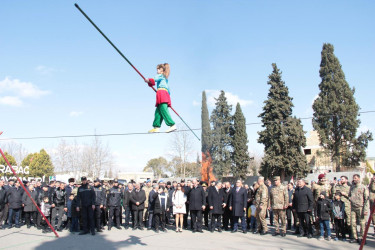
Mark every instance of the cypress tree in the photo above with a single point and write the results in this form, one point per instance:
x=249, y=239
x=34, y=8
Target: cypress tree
x=283, y=135
x=221, y=121
x=241, y=158
x=336, y=114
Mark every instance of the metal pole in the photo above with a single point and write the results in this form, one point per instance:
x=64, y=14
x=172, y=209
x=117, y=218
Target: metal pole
x=372, y=211
x=126, y=59
x=27, y=192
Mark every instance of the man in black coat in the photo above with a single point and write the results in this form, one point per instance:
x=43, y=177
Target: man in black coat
x=14, y=196
x=114, y=203
x=216, y=205
x=86, y=204
x=138, y=198
x=100, y=203
x=29, y=208
x=197, y=201
x=303, y=204
x=227, y=217
x=3, y=202
x=187, y=188
x=238, y=204
x=126, y=203
x=58, y=206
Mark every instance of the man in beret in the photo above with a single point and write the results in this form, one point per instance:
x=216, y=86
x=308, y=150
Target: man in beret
x=319, y=187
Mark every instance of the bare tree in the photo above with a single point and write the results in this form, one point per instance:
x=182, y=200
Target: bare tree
x=182, y=148
x=94, y=158
x=256, y=159
x=16, y=150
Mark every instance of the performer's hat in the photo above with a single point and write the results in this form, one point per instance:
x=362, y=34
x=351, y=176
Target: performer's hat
x=83, y=178
x=321, y=176
x=276, y=178
x=97, y=180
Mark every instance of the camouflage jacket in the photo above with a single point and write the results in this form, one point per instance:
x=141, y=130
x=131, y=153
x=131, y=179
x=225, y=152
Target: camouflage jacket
x=342, y=189
x=261, y=197
x=358, y=196
x=279, y=197
x=372, y=191
x=147, y=192
x=320, y=187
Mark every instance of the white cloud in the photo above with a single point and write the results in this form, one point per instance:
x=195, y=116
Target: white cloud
x=21, y=89
x=232, y=99
x=195, y=103
x=44, y=70
x=11, y=101
x=75, y=113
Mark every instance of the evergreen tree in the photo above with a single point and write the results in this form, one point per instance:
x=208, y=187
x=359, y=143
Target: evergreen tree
x=40, y=164
x=283, y=136
x=241, y=158
x=206, y=139
x=336, y=114
x=221, y=120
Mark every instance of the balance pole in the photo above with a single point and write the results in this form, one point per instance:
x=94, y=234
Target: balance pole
x=27, y=192
x=367, y=226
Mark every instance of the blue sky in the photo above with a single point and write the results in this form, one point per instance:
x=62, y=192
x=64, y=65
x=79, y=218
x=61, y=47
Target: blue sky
x=58, y=76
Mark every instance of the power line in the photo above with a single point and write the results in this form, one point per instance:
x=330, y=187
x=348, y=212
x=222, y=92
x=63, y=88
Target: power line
x=146, y=133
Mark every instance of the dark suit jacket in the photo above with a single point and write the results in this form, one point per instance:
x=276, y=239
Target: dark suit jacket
x=197, y=198
x=138, y=197
x=303, y=199
x=216, y=199
x=238, y=201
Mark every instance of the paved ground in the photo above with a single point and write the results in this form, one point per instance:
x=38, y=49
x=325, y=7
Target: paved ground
x=23, y=238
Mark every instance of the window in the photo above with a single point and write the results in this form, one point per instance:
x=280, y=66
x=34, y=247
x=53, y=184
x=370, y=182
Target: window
x=307, y=151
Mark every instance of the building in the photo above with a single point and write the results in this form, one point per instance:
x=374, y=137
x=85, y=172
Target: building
x=317, y=158
x=135, y=176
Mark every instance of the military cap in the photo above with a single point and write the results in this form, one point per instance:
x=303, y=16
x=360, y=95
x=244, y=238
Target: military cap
x=276, y=178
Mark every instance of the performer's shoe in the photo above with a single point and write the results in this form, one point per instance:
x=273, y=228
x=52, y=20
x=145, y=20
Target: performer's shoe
x=154, y=130
x=171, y=129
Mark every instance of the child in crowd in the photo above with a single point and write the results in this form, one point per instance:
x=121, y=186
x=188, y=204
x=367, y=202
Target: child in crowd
x=323, y=214
x=46, y=210
x=339, y=215
x=74, y=226
x=252, y=215
x=69, y=213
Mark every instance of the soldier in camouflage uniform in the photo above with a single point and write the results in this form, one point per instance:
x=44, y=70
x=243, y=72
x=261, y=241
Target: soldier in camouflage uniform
x=261, y=202
x=317, y=188
x=372, y=198
x=344, y=189
x=358, y=197
x=279, y=201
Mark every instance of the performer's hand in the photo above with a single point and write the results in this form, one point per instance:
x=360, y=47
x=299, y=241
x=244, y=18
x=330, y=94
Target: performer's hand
x=203, y=207
x=230, y=208
x=65, y=209
x=93, y=207
x=101, y=206
x=77, y=209
x=53, y=205
x=211, y=207
x=244, y=209
x=146, y=80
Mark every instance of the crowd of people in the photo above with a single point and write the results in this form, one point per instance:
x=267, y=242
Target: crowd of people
x=90, y=207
